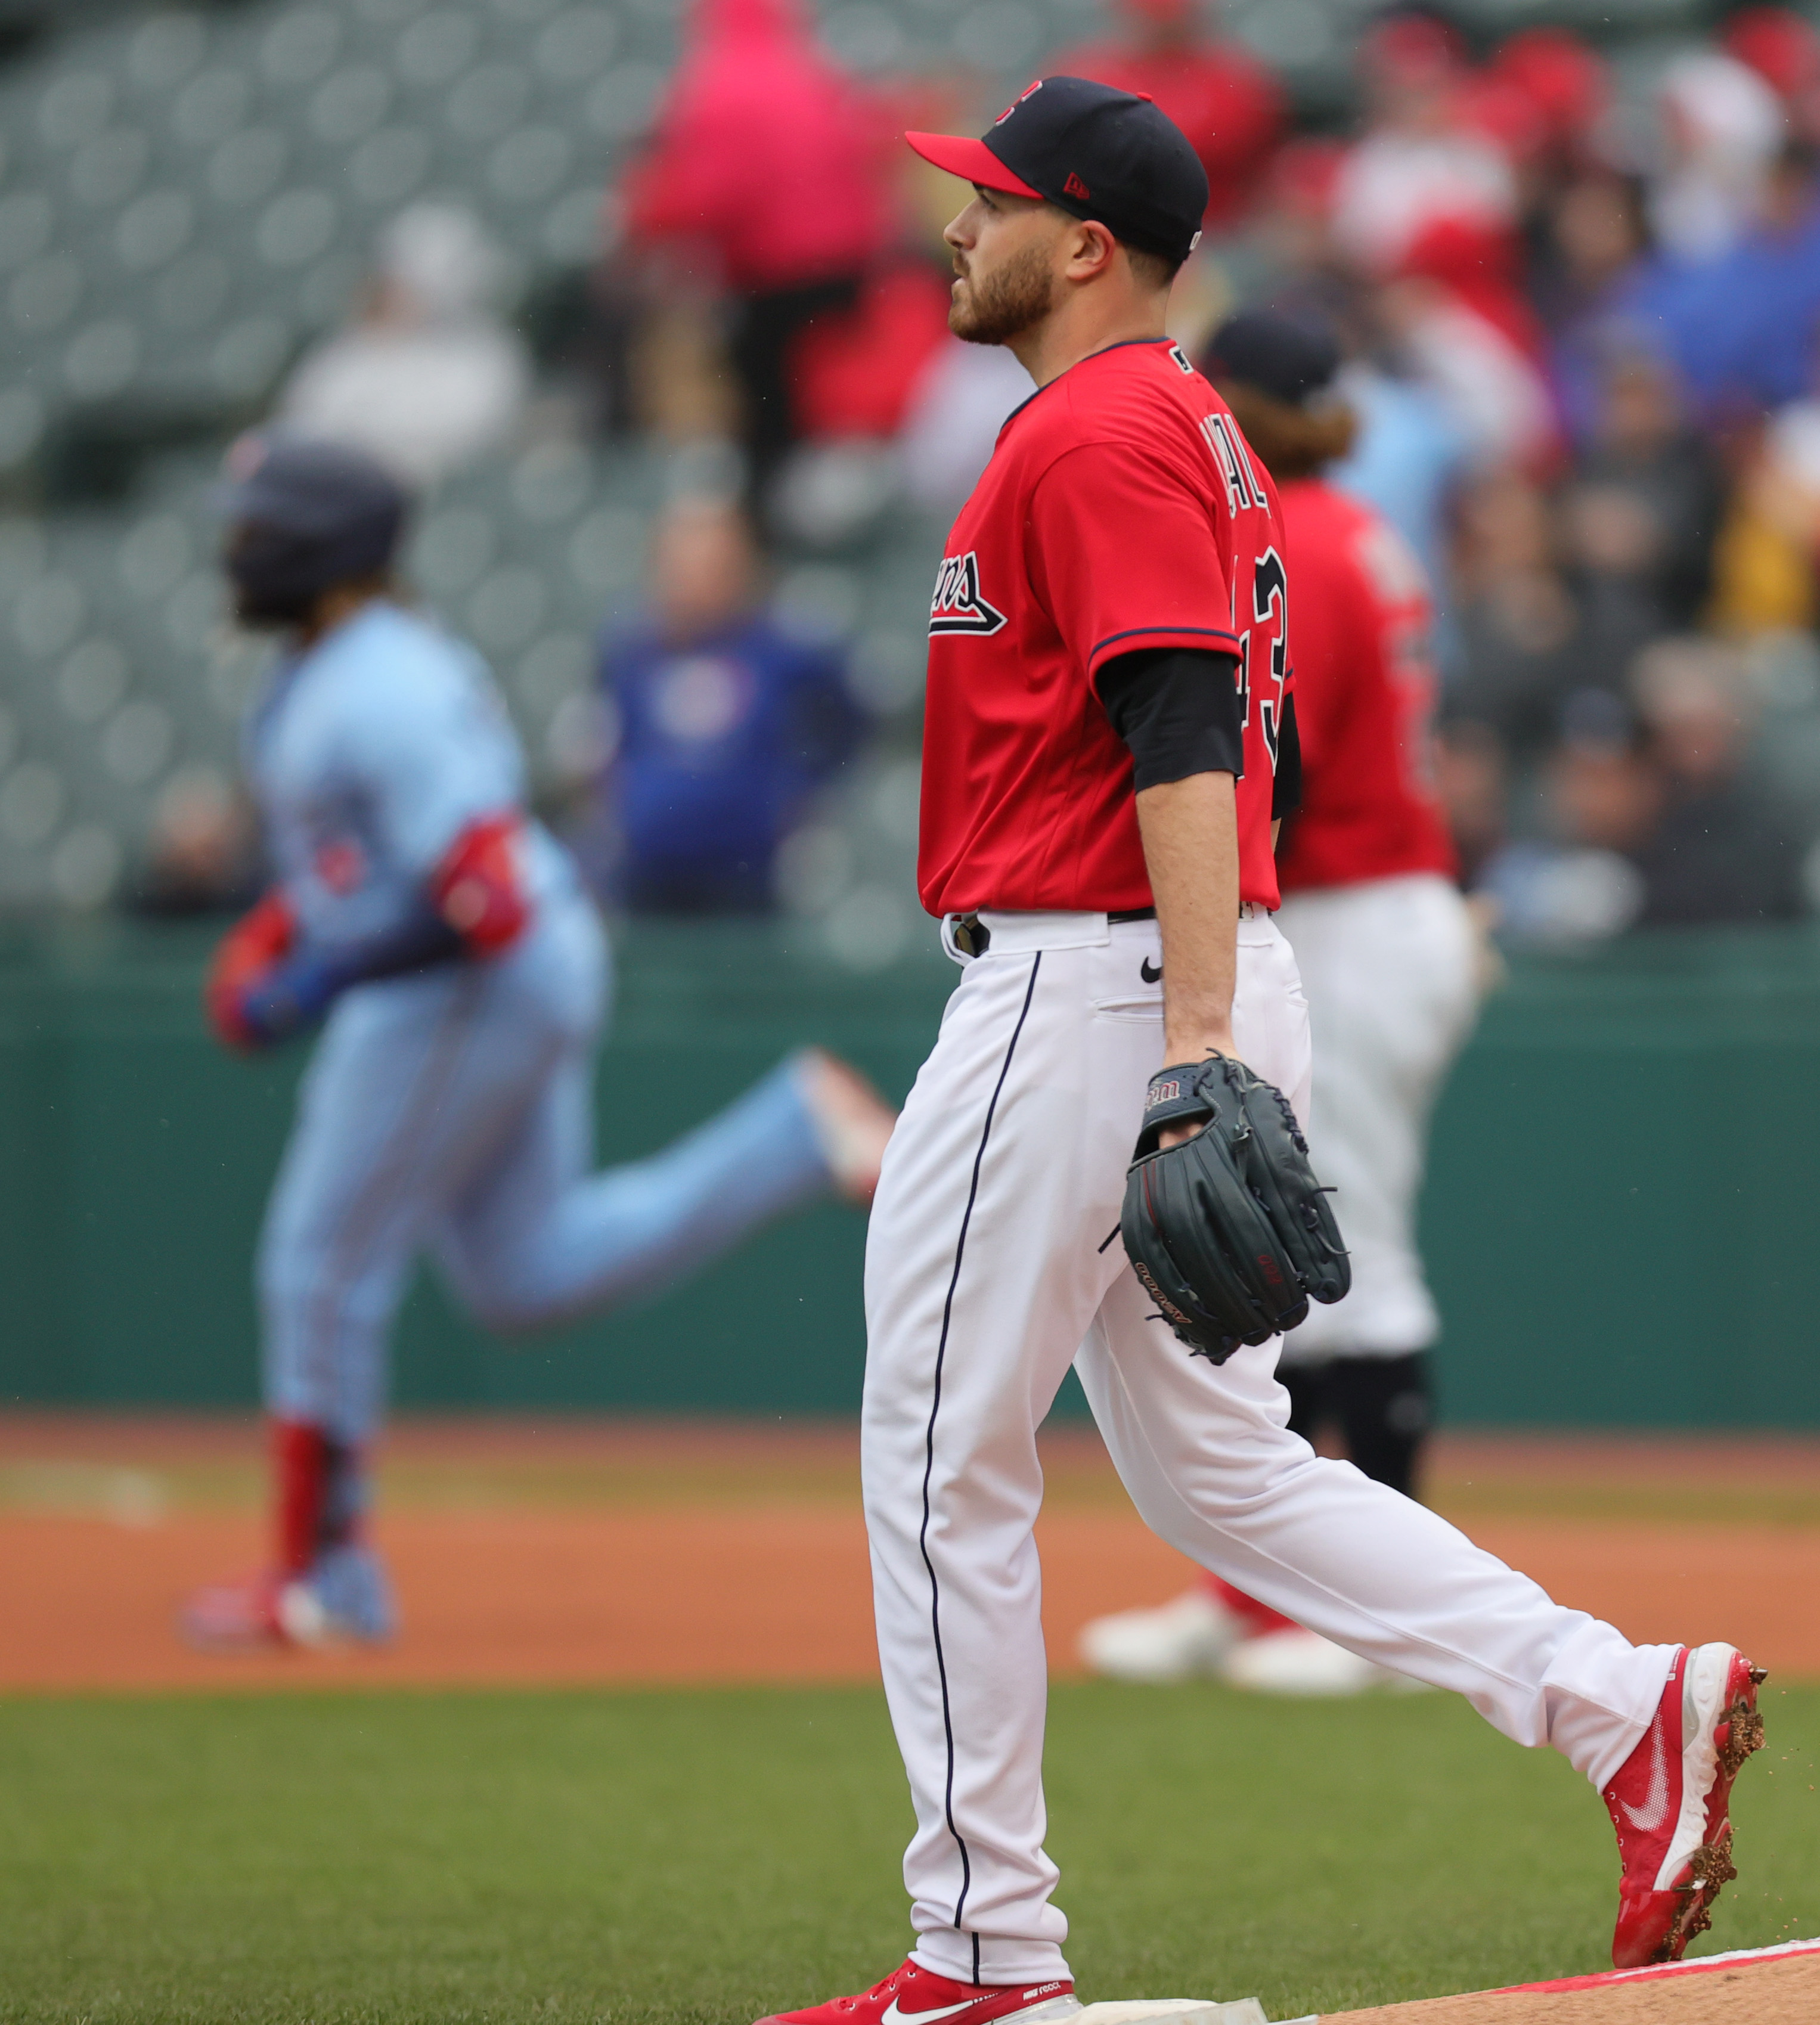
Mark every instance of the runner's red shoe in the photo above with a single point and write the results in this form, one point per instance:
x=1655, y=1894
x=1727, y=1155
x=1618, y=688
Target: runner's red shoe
x=1670, y=1802
x=234, y=1617
x=912, y=1993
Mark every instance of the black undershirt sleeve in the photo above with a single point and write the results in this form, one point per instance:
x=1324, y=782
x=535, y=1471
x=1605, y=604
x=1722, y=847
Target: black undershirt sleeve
x=1177, y=709
x=1286, y=790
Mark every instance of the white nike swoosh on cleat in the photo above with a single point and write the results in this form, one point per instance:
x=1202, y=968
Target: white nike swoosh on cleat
x=1654, y=1811
x=892, y=2016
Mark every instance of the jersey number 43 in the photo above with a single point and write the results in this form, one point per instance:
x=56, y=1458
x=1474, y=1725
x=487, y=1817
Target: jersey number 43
x=1270, y=610
x=1269, y=582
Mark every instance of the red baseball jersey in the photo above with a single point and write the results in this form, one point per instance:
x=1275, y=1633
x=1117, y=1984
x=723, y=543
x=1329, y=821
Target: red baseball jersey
x=1121, y=510
x=1364, y=695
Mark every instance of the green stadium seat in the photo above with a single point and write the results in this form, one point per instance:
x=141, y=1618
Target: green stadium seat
x=212, y=104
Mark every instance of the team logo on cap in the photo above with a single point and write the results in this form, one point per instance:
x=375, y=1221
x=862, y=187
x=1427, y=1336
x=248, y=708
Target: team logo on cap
x=1017, y=101
x=957, y=606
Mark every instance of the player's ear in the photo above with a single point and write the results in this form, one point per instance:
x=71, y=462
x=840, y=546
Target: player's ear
x=1090, y=251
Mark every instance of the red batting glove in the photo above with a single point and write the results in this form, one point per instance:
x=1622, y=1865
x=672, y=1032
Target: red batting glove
x=249, y=948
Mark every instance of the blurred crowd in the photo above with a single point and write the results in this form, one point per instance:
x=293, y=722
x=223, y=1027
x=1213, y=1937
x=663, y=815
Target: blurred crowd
x=1579, y=292
x=1603, y=292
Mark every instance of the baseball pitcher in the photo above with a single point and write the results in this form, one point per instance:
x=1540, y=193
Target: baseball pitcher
x=1108, y=698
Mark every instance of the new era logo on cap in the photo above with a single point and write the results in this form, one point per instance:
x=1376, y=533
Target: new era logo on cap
x=1095, y=153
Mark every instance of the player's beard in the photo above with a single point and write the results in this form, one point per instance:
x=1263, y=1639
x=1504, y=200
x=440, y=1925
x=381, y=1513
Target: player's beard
x=1008, y=302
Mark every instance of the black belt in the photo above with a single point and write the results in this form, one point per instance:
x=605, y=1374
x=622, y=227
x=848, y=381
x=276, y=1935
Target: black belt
x=974, y=938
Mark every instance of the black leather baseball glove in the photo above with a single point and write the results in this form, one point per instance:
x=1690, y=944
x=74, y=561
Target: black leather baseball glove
x=1228, y=1233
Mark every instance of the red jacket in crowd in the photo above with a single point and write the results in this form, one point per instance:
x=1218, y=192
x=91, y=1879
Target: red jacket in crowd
x=764, y=152
x=1230, y=106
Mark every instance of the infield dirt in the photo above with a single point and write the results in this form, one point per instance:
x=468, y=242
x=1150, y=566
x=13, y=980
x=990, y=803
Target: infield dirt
x=630, y=1551
x=1772, y=1992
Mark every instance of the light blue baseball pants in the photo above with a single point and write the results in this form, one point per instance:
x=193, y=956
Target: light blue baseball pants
x=453, y=1111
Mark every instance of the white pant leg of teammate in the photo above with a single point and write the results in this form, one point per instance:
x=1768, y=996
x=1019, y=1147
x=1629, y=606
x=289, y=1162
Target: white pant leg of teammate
x=1388, y=969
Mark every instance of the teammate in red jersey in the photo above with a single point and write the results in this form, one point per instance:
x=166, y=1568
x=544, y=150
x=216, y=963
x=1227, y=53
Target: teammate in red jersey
x=1108, y=692
x=1387, y=948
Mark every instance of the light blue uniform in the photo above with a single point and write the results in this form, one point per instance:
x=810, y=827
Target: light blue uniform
x=1408, y=458
x=453, y=1109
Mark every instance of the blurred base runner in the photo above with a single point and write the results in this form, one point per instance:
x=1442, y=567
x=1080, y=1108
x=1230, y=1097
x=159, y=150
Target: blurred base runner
x=464, y=980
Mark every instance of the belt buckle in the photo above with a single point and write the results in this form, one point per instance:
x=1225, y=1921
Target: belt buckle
x=972, y=936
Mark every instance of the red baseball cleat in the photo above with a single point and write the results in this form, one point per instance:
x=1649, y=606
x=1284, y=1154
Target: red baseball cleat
x=234, y=1617
x=1669, y=1804
x=912, y=1993
x=344, y=1598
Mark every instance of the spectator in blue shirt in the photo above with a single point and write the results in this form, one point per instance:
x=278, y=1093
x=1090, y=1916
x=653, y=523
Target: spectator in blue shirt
x=1741, y=327
x=726, y=726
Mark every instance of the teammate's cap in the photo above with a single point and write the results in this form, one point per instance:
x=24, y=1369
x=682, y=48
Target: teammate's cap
x=1290, y=358
x=1098, y=153
x=334, y=499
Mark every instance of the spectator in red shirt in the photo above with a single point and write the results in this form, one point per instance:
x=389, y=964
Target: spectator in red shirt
x=1222, y=97
x=1783, y=48
x=765, y=172
x=1565, y=84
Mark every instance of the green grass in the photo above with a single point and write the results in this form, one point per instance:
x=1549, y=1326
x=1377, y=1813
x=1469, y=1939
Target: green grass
x=708, y=1856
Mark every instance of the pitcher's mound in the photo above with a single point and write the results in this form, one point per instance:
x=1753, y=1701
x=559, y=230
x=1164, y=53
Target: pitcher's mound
x=1759, y=1987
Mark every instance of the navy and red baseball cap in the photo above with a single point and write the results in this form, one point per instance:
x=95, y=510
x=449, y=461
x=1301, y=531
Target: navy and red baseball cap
x=1096, y=152
x=303, y=515
x=1292, y=357
x=314, y=490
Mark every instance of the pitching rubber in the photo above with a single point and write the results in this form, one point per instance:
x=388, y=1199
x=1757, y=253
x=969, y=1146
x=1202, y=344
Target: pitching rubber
x=1175, y=2011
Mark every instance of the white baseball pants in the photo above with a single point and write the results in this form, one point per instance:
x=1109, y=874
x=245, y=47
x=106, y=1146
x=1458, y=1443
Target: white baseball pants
x=992, y=1264
x=1387, y=965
